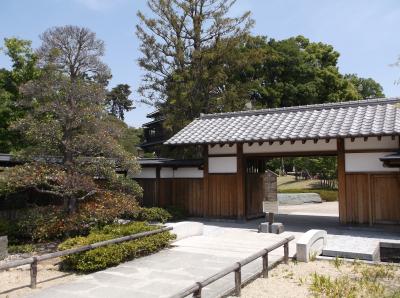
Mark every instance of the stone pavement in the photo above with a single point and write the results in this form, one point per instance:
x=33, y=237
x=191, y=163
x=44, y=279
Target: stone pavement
x=171, y=270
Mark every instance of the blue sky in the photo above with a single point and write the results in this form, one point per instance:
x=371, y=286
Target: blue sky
x=365, y=32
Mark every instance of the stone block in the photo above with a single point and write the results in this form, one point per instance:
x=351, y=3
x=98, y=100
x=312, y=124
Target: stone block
x=277, y=228
x=263, y=227
x=310, y=243
x=186, y=229
x=3, y=247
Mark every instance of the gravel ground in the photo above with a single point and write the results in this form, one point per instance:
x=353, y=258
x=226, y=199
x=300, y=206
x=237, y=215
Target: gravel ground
x=15, y=282
x=293, y=280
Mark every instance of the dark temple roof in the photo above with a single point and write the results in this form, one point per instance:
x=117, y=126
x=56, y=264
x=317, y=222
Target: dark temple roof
x=363, y=118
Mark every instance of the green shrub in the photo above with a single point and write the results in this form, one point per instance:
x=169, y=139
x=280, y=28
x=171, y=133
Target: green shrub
x=114, y=254
x=4, y=227
x=153, y=214
x=326, y=195
x=177, y=213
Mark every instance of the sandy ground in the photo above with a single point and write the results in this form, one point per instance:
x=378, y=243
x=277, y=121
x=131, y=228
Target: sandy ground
x=15, y=282
x=320, y=209
x=293, y=280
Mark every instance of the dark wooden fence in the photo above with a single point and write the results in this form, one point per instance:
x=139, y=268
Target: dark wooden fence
x=236, y=268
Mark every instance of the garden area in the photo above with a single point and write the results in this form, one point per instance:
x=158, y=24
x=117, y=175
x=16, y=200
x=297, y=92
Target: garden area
x=331, y=279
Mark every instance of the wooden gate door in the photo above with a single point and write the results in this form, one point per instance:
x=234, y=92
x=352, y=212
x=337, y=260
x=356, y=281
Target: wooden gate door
x=255, y=188
x=386, y=198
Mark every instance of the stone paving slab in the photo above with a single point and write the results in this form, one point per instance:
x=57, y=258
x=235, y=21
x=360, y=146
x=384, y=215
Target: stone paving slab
x=169, y=271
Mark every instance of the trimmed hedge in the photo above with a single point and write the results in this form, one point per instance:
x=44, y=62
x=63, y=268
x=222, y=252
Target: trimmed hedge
x=114, y=254
x=326, y=195
x=153, y=214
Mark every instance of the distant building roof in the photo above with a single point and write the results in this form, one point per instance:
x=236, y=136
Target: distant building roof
x=153, y=114
x=373, y=117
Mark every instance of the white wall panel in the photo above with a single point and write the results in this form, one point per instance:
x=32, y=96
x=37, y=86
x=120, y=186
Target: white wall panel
x=166, y=173
x=222, y=150
x=188, y=173
x=222, y=164
x=371, y=143
x=366, y=162
x=146, y=173
x=298, y=146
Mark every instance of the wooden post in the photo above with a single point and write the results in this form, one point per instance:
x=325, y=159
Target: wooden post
x=341, y=172
x=271, y=218
x=158, y=187
x=205, y=181
x=238, y=280
x=34, y=273
x=286, y=253
x=197, y=294
x=265, y=265
x=240, y=176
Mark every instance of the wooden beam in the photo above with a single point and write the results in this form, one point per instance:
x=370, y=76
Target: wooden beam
x=292, y=142
x=270, y=143
x=303, y=141
x=315, y=141
x=251, y=144
x=231, y=144
x=327, y=140
x=212, y=145
x=379, y=138
x=221, y=145
x=341, y=172
x=352, y=139
x=240, y=180
x=281, y=142
x=205, y=182
x=365, y=139
x=260, y=143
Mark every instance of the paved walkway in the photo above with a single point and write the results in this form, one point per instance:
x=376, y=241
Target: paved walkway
x=171, y=270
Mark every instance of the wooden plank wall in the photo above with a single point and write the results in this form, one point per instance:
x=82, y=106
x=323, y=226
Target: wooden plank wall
x=222, y=196
x=183, y=192
x=255, y=193
x=372, y=198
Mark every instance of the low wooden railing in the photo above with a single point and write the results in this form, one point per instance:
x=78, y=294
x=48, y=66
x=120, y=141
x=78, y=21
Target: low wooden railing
x=197, y=287
x=33, y=261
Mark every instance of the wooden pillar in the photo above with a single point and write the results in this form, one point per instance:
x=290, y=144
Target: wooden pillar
x=205, y=181
x=240, y=180
x=158, y=187
x=341, y=168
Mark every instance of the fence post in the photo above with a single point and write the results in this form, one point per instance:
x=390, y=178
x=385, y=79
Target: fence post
x=286, y=252
x=238, y=280
x=197, y=293
x=265, y=265
x=34, y=273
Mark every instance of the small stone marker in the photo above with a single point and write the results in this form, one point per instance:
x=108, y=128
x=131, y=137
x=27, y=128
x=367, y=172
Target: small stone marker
x=277, y=228
x=3, y=247
x=310, y=244
x=263, y=227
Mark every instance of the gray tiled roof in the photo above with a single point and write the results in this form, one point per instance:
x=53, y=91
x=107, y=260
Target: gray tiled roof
x=373, y=117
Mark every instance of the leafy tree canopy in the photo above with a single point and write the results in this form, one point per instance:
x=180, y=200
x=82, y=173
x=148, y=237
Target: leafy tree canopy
x=118, y=101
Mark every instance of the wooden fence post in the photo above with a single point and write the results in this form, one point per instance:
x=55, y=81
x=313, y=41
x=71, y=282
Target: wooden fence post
x=34, y=273
x=197, y=293
x=286, y=252
x=238, y=280
x=265, y=265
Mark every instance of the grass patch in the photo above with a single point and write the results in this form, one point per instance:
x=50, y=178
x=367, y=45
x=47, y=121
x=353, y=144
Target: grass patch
x=20, y=249
x=326, y=195
x=114, y=254
x=364, y=281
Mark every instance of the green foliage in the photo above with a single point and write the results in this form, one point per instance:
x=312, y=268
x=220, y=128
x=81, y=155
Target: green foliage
x=21, y=249
x=367, y=88
x=326, y=195
x=4, y=226
x=118, y=101
x=23, y=69
x=47, y=223
x=114, y=254
x=337, y=262
x=153, y=214
x=177, y=212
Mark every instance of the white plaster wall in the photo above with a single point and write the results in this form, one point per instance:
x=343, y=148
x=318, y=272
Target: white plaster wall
x=188, y=173
x=298, y=146
x=166, y=173
x=366, y=162
x=222, y=164
x=371, y=143
x=222, y=150
x=146, y=173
